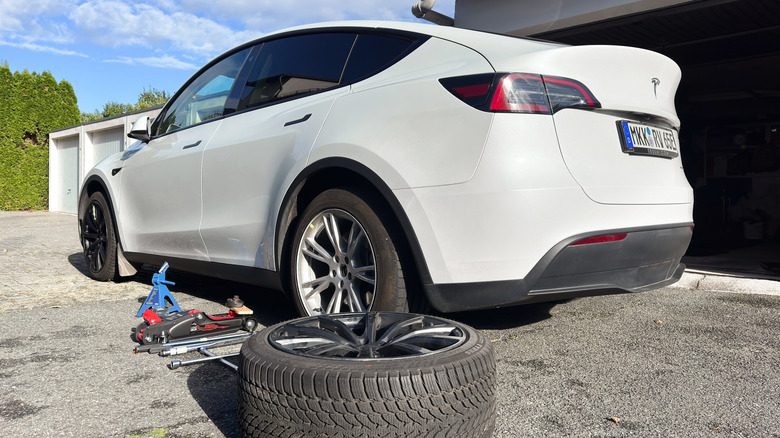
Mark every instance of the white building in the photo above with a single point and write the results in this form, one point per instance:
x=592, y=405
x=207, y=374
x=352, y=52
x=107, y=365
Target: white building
x=76, y=149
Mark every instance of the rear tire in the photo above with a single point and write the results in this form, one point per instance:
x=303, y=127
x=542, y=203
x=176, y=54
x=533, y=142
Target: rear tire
x=98, y=238
x=330, y=376
x=345, y=258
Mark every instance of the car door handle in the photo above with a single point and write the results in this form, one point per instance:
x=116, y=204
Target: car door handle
x=301, y=120
x=192, y=145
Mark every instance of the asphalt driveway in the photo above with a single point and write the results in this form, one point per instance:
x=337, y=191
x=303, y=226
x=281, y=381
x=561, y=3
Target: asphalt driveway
x=686, y=361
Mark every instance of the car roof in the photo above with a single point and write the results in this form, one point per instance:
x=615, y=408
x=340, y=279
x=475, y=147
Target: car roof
x=490, y=45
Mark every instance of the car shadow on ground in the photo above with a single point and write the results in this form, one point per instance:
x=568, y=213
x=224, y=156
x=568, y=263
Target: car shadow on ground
x=77, y=261
x=506, y=317
x=269, y=306
x=215, y=388
x=144, y=274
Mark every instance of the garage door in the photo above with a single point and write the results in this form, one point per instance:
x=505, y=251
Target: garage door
x=104, y=144
x=68, y=175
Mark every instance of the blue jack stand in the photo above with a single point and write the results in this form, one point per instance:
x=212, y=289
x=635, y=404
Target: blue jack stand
x=159, y=294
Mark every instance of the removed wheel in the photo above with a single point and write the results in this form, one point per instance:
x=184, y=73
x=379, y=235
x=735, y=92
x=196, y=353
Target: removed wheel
x=376, y=374
x=98, y=238
x=345, y=258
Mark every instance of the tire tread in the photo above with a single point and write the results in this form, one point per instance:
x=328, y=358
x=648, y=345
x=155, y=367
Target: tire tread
x=312, y=398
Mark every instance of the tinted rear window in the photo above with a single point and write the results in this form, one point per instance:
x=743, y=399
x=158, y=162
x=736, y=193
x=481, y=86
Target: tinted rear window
x=372, y=53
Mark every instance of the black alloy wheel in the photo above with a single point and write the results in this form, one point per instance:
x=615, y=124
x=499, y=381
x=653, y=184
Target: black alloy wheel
x=367, y=336
x=98, y=238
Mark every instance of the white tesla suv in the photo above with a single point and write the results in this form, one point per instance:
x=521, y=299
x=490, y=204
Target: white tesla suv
x=392, y=166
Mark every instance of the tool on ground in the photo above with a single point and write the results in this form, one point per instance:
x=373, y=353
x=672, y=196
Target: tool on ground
x=167, y=330
x=210, y=357
x=160, y=296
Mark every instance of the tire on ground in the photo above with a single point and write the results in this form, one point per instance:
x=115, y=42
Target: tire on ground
x=98, y=238
x=448, y=393
x=391, y=266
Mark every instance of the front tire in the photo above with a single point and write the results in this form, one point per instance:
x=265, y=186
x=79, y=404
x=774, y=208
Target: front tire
x=345, y=258
x=98, y=238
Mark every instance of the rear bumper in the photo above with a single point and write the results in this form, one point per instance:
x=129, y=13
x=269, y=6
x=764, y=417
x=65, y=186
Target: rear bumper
x=646, y=259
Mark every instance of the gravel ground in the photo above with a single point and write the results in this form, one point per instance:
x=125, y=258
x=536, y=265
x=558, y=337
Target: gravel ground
x=41, y=264
x=686, y=361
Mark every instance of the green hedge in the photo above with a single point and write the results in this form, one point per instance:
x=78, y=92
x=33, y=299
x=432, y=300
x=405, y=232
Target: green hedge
x=31, y=105
x=24, y=177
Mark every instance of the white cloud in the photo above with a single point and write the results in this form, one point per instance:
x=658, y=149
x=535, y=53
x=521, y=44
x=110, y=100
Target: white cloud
x=165, y=32
x=269, y=15
x=16, y=15
x=116, y=24
x=39, y=48
x=156, y=61
x=34, y=20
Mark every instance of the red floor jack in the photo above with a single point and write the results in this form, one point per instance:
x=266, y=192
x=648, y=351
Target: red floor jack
x=167, y=330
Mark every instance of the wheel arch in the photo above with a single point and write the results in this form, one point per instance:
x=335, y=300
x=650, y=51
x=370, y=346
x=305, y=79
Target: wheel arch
x=94, y=184
x=341, y=172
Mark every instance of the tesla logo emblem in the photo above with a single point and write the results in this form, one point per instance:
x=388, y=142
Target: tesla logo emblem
x=656, y=82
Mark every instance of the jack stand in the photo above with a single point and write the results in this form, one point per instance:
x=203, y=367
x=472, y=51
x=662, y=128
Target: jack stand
x=160, y=294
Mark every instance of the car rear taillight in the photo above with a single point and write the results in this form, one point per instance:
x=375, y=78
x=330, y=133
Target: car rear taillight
x=568, y=93
x=520, y=92
x=473, y=89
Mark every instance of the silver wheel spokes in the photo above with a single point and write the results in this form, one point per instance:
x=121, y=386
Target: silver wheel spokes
x=335, y=265
x=367, y=336
x=94, y=237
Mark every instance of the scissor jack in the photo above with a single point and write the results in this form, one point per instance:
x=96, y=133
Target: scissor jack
x=167, y=330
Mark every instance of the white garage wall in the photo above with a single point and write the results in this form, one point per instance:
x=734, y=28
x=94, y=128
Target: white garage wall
x=75, y=150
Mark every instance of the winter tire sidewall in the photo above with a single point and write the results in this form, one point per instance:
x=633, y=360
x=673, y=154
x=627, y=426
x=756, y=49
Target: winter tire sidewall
x=449, y=394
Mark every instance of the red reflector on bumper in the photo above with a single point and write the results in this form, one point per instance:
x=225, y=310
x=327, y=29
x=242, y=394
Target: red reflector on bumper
x=601, y=239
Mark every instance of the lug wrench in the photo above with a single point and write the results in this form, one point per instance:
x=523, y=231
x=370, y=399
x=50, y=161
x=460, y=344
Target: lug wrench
x=186, y=348
x=211, y=356
x=157, y=348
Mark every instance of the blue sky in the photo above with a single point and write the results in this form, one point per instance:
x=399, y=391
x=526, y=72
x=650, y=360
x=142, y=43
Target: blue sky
x=110, y=50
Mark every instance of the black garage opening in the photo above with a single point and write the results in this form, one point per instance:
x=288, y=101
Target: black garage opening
x=729, y=104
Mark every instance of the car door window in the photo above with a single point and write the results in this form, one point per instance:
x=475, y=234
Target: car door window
x=295, y=66
x=372, y=53
x=204, y=98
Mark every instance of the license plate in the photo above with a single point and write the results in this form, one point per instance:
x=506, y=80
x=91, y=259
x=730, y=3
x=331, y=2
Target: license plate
x=639, y=139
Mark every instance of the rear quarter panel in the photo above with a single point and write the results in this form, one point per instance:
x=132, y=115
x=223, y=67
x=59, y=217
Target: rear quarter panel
x=405, y=126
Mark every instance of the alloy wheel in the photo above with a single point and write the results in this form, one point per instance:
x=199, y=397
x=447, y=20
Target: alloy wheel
x=94, y=236
x=372, y=335
x=335, y=269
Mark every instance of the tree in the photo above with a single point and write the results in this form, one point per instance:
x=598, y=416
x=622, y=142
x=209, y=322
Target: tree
x=31, y=105
x=8, y=104
x=69, y=103
x=146, y=99
x=27, y=104
x=151, y=97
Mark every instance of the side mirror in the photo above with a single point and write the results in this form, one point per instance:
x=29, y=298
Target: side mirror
x=140, y=129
